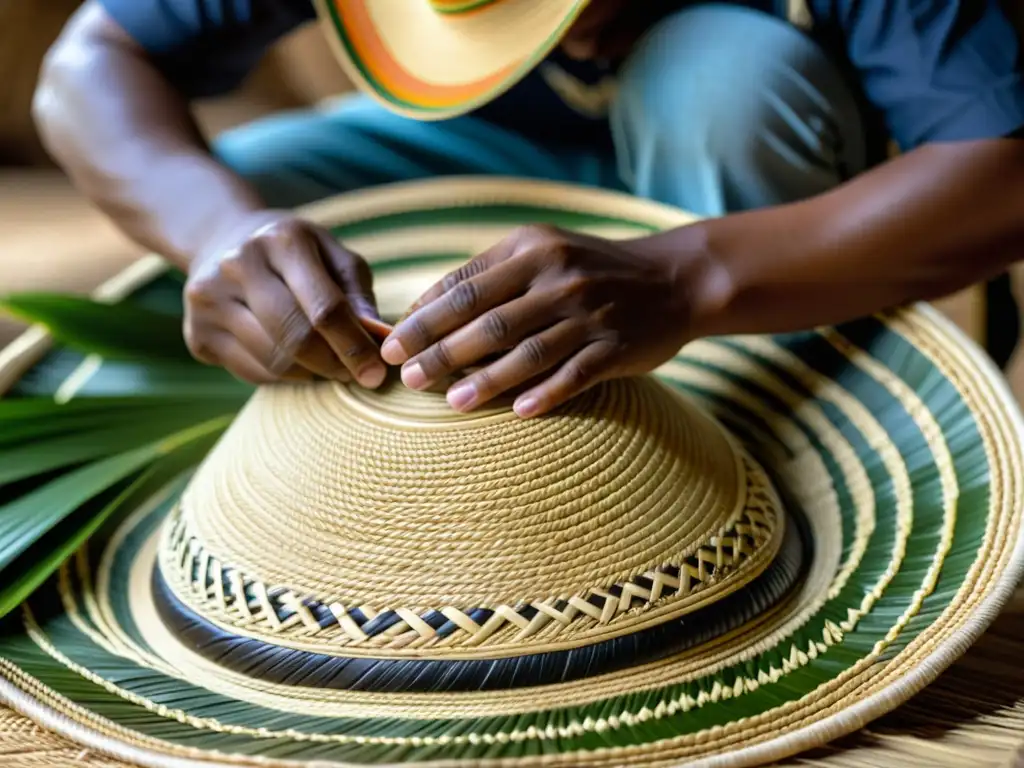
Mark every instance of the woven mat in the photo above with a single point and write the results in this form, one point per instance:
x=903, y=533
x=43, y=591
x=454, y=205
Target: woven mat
x=972, y=716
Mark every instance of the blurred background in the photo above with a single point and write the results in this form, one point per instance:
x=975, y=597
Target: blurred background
x=51, y=239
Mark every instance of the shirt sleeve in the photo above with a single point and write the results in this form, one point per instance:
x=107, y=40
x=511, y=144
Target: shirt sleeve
x=207, y=47
x=938, y=70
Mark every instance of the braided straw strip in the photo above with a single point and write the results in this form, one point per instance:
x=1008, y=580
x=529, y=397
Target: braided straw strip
x=233, y=598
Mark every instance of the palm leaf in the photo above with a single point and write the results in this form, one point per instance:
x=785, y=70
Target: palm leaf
x=116, y=433
x=116, y=409
x=162, y=462
x=118, y=350
x=123, y=331
x=25, y=519
x=130, y=379
x=30, y=419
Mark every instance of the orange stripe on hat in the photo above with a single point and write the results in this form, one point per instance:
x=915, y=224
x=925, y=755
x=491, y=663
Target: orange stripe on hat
x=395, y=79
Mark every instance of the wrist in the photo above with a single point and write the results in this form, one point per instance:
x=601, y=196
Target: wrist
x=232, y=227
x=702, y=286
x=186, y=206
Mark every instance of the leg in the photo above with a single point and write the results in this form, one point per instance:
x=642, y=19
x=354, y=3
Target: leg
x=724, y=108
x=300, y=157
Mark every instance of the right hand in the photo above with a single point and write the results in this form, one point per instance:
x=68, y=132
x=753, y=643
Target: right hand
x=283, y=301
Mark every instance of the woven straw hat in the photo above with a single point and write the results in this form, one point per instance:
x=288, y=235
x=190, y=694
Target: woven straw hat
x=761, y=547
x=432, y=59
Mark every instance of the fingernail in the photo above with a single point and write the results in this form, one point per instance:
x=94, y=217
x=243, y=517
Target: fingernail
x=372, y=376
x=462, y=396
x=413, y=376
x=525, y=407
x=393, y=353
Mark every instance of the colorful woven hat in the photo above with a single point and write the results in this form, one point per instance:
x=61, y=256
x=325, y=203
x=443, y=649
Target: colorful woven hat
x=762, y=546
x=432, y=59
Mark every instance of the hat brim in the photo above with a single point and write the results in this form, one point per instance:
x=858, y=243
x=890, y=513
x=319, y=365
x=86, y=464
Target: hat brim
x=893, y=437
x=428, y=65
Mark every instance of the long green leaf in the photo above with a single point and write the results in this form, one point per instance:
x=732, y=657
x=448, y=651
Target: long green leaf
x=23, y=420
x=128, y=378
x=115, y=434
x=29, y=517
x=23, y=521
x=120, y=331
x=180, y=452
x=33, y=409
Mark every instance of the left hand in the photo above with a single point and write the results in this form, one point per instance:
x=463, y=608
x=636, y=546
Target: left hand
x=556, y=310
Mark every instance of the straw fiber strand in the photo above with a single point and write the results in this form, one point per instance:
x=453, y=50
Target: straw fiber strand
x=23, y=744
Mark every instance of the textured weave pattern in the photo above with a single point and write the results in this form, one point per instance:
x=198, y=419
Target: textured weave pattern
x=25, y=745
x=971, y=716
x=723, y=562
x=318, y=489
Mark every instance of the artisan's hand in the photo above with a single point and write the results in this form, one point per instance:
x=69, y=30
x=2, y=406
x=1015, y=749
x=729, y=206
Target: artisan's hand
x=564, y=311
x=283, y=301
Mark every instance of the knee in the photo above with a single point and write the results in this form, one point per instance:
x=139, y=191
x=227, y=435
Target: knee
x=741, y=103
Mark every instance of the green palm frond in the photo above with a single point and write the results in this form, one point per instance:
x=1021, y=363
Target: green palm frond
x=65, y=442
x=124, y=331
x=115, y=410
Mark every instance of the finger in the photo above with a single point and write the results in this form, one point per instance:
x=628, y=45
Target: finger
x=394, y=350
x=352, y=273
x=207, y=341
x=581, y=371
x=465, y=302
x=316, y=358
x=276, y=310
x=494, y=331
x=529, y=359
x=298, y=261
x=475, y=266
x=470, y=269
x=239, y=362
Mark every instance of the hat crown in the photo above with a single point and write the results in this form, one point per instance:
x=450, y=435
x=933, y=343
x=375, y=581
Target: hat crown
x=388, y=500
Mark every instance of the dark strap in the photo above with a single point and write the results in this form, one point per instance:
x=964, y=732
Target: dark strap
x=1002, y=320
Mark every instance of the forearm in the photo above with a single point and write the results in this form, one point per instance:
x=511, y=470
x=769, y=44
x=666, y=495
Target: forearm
x=920, y=227
x=128, y=141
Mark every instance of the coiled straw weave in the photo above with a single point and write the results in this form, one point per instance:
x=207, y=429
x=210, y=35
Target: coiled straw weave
x=889, y=446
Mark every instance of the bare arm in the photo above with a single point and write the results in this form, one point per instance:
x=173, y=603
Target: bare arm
x=269, y=296
x=128, y=141
x=924, y=225
x=566, y=311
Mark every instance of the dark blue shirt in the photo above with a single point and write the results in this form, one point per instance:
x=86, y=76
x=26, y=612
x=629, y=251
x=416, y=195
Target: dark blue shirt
x=926, y=70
